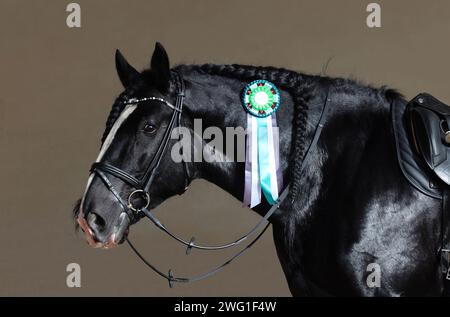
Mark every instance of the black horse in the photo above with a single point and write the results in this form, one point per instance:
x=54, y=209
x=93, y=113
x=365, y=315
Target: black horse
x=348, y=212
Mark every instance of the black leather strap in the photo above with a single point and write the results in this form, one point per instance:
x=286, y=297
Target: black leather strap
x=112, y=189
x=174, y=279
x=180, y=102
x=445, y=243
x=117, y=172
x=192, y=245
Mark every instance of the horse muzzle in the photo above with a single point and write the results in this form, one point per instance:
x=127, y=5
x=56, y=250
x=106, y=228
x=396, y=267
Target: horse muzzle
x=96, y=236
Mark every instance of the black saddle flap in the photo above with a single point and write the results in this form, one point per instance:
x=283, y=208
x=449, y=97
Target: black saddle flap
x=428, y=122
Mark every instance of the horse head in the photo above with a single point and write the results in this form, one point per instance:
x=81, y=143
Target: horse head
x=133, y=155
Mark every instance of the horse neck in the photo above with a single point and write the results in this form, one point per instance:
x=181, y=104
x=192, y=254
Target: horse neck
x=216, y=100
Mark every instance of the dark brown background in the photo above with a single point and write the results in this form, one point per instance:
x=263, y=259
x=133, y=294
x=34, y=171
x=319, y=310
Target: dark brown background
x=58, y=84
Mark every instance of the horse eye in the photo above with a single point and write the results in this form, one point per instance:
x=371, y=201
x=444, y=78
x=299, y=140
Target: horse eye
x=149, y=128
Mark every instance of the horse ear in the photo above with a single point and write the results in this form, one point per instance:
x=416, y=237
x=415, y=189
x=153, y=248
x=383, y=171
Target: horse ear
x=160, y=66
x=126, y=72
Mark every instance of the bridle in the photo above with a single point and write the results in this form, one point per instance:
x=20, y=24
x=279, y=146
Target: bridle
x=142, y=188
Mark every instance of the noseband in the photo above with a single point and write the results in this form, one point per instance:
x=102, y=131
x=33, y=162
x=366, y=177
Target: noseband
x=142, y=188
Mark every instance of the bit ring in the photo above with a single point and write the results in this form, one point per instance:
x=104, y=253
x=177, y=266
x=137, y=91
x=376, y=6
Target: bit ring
x=138, y=191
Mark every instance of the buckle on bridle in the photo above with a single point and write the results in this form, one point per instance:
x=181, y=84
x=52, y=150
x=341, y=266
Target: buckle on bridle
x=144, y=195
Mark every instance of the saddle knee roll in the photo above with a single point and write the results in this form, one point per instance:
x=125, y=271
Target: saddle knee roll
x=428, y=121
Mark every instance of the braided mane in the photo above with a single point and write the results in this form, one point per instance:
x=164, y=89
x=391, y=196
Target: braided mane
x=298, y=85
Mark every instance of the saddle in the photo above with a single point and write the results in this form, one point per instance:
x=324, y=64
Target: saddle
x=422, y=136
x=428, y=120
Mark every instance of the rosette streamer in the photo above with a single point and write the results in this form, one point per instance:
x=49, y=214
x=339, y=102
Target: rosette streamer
x=262, y=170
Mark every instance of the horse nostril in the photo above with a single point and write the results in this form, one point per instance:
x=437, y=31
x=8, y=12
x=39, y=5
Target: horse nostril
x=96, y=222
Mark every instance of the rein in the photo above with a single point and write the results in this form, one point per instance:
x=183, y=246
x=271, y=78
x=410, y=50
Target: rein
x=142, y=188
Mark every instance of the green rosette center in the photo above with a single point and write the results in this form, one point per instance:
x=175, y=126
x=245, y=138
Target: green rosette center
x=261, y=98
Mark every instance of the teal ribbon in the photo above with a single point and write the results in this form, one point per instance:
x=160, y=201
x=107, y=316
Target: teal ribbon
x=263, y=159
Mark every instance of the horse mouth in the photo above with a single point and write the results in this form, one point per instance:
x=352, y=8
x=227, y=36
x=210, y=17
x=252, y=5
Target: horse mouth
x=117, y=237
x=120, y=233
